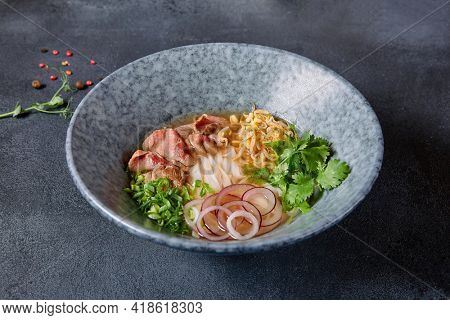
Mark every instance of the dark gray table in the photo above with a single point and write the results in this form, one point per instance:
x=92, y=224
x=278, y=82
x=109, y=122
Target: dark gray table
x=54, y=245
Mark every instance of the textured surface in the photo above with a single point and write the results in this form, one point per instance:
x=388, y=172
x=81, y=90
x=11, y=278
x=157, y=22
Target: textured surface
x=203, y=78
x=54, y=245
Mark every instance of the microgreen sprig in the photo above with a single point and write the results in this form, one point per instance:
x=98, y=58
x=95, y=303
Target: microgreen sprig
x=56, y=105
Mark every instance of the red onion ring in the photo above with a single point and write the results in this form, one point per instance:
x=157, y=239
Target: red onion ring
x=247, y=216
x=240, y=204
x=262, y=230
x=202, y=230
x=267, y=194
x=227, y=198
x=274, y=216
x=235, y=190
x=209, y=201
x=210, y=220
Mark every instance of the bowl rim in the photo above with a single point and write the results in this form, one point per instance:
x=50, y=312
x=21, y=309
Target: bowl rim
x=236, y=247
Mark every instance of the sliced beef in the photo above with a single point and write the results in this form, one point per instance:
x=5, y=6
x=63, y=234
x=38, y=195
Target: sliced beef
x=196, y=141
x=209, y=145
x=169, y=144
x=154, y=166
x=219, y=141
x=185, y=130
x=143, y=161
x=207, y=124
x=171, y=172
x=202, y=144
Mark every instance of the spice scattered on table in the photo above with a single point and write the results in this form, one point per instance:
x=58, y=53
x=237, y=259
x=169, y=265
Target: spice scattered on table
x=56, y=105
x=36, y=84
x=79, y=85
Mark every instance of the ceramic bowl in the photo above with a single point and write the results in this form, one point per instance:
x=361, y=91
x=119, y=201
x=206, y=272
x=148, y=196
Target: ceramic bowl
x=113, y=118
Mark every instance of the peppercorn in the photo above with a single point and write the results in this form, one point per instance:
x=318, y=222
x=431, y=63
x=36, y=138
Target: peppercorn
x=44, y=50
x=92, y=61
x=89, y=83
x=79, y=85
x=69, y=53
x=68, y=72
x=36, y=84
x=65, y=63
x=41, y=65
x=55, y=52
x=53, y=77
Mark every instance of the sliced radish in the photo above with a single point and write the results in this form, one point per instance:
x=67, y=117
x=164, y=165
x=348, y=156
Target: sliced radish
x=202, y=230
x=263, y=198
x=248, y=216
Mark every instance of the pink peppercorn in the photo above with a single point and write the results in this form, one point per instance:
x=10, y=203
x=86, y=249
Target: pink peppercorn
x=92, y=62
x=89, y=83
x=55, y=52
x=53, y=77
x=69, y=53
x=41, y=65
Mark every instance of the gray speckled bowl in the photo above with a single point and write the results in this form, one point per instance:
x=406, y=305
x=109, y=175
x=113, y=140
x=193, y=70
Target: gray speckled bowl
x=113, y=118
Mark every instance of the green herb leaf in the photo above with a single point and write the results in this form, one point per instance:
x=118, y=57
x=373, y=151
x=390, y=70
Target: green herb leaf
x=56, y=101
x=17, y=110
x=257, y=175
x=161, y=203
x=334, y=173
x=302, y=171
x=300, y=190
x=315, y=152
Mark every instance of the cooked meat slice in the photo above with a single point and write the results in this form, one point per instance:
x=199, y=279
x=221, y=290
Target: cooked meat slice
x=207, y=124
x=196, y=141
x=143, y=161
x=169, y=144
x=209, y=145
x=220, y=141
x=202, y=144
x=185, y=130
x=171, y=172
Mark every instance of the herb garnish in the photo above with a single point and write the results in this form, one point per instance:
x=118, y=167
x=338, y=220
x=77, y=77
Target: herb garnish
x=56, y=105
x=162, y=203
x=302, y=172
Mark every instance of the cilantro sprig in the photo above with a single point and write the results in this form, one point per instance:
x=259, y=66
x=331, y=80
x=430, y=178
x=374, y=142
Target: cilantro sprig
x=303, y=171
x=162, y=203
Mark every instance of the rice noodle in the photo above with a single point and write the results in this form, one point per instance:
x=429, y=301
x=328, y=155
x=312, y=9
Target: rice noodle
x=218, y=171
